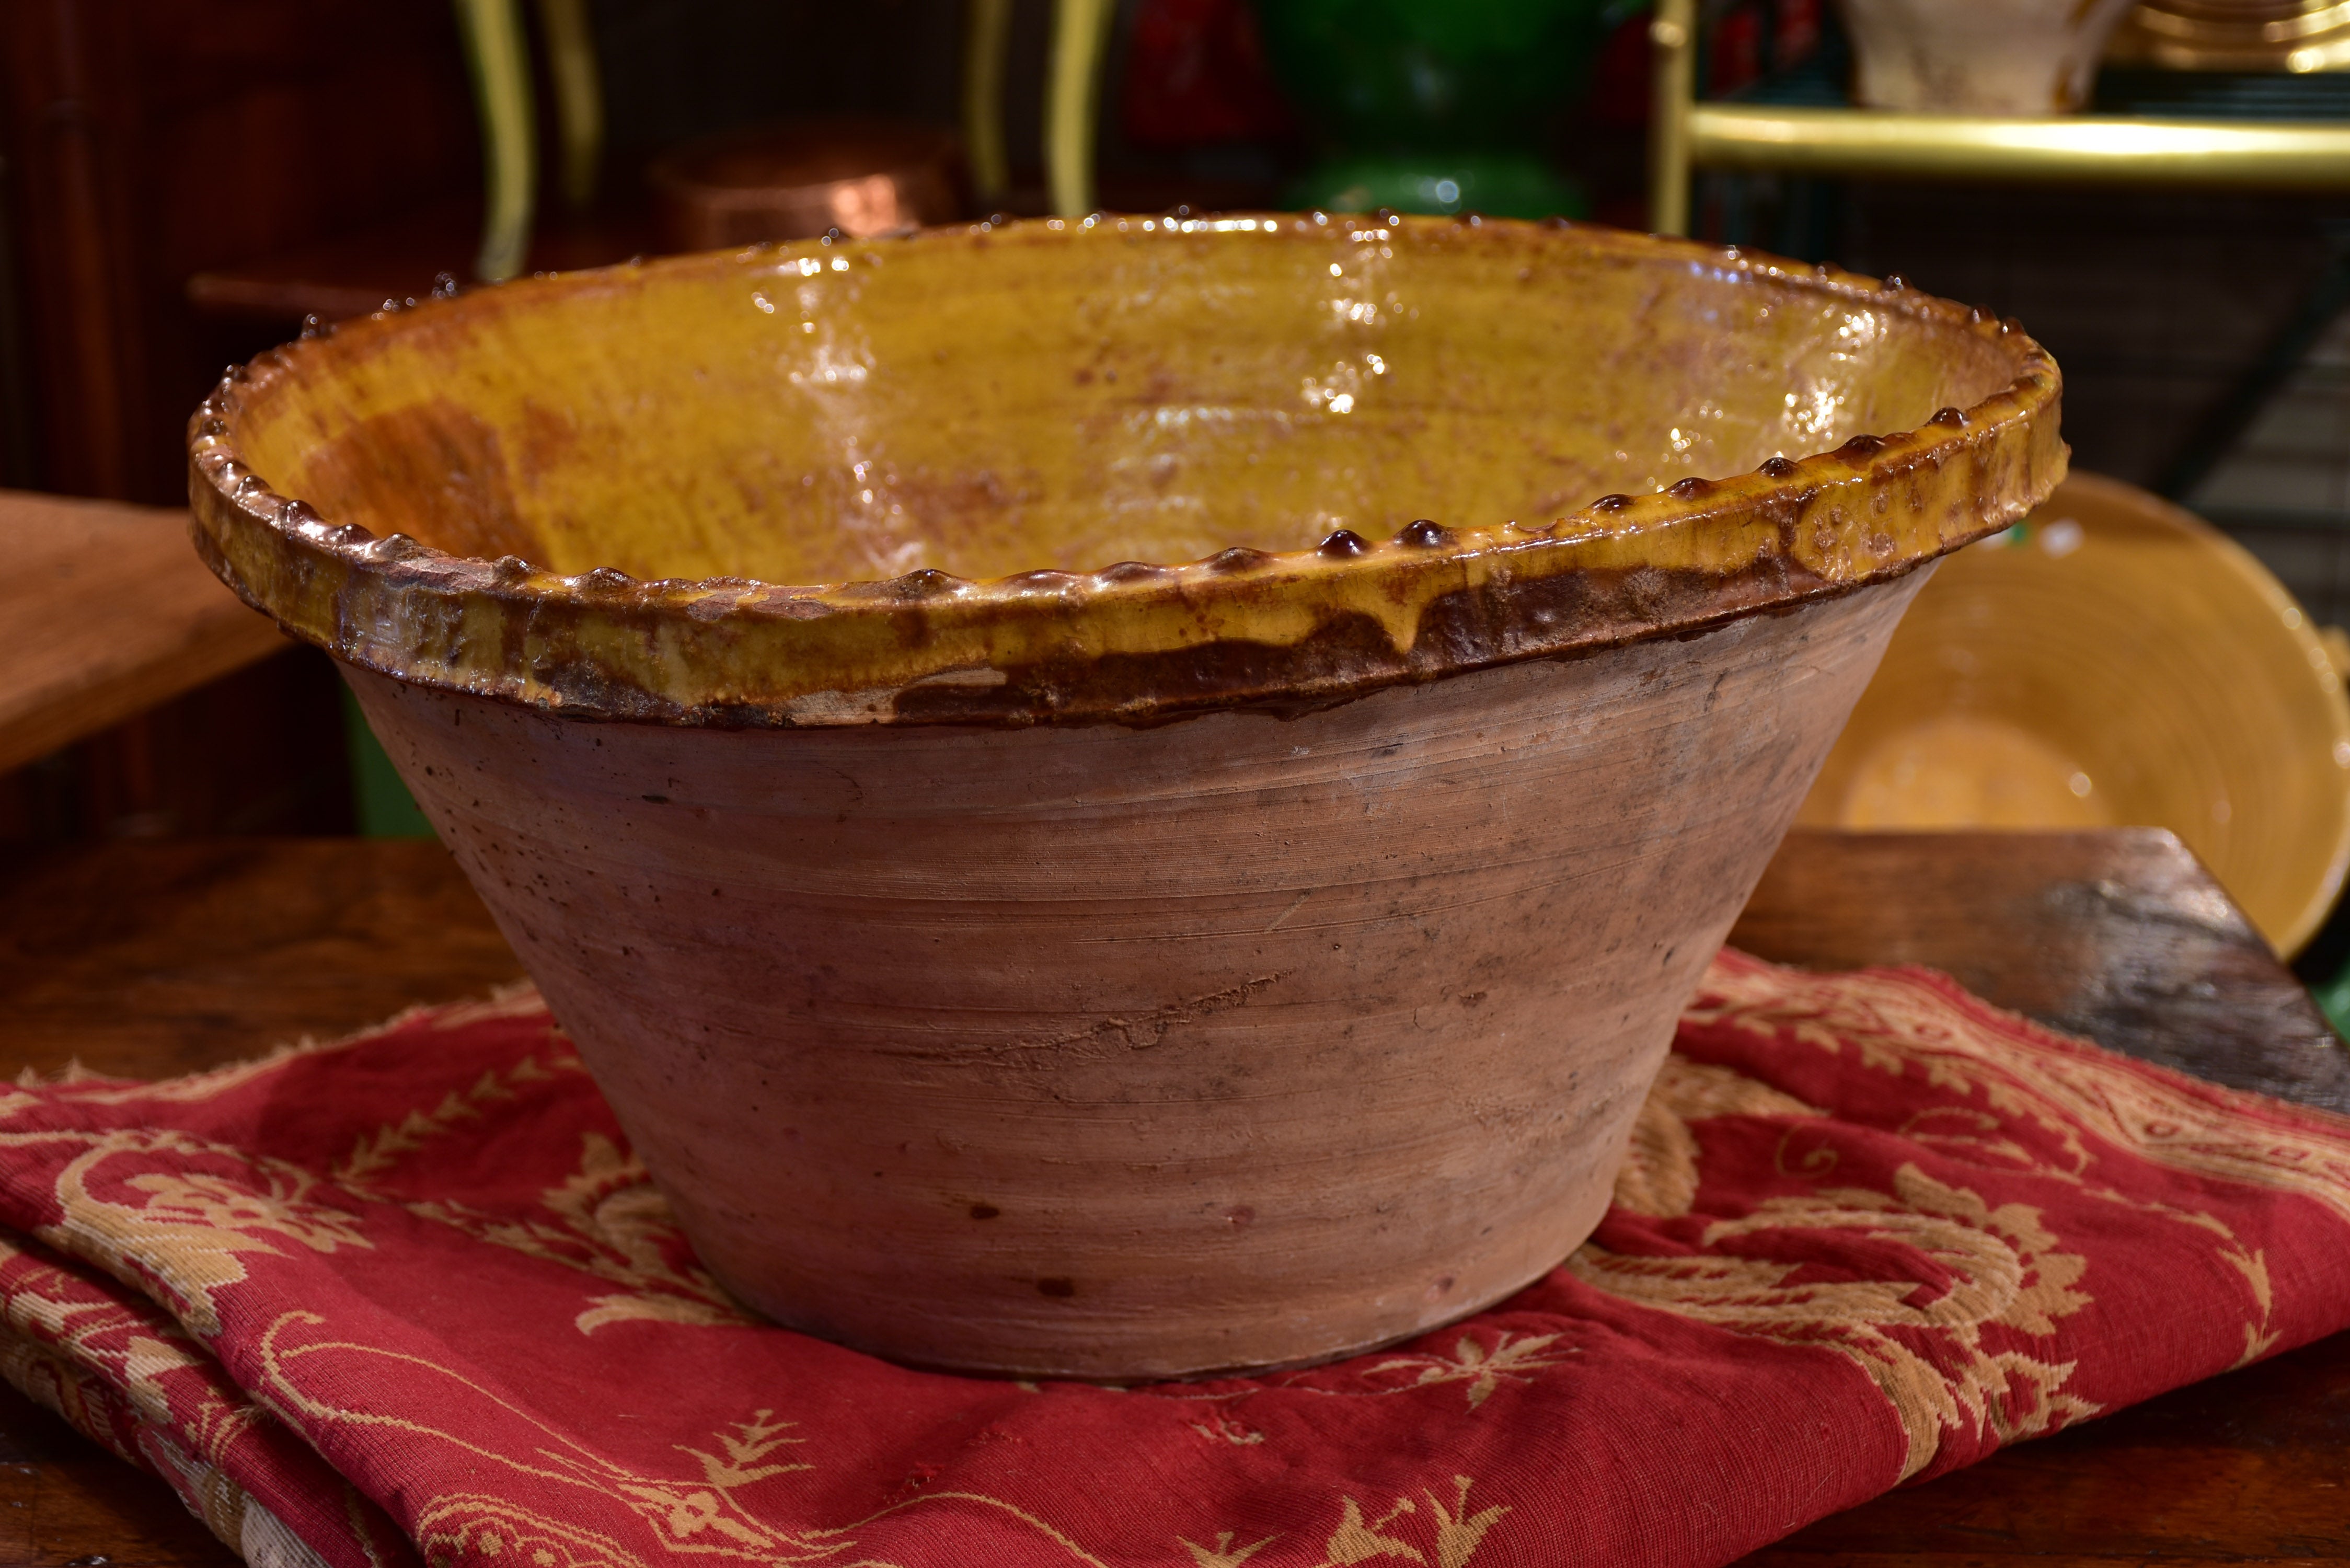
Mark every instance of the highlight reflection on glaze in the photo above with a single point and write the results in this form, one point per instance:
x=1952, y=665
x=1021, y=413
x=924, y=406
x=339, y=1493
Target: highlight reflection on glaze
x=1153, y=394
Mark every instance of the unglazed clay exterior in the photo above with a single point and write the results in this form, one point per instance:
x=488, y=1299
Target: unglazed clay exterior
x=1103, y=1053
x=1978, y=56
x=1128, y=798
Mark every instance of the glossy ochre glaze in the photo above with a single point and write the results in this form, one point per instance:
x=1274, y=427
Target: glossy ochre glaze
x=1088, y=470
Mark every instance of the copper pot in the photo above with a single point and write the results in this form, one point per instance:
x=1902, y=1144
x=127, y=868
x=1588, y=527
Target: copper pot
x=797, y=180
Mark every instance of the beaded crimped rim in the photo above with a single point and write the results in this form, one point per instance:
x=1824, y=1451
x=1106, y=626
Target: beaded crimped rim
x=1137, y=642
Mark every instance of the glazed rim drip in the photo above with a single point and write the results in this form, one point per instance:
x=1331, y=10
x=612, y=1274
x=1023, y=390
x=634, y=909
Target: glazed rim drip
x=1279, y=461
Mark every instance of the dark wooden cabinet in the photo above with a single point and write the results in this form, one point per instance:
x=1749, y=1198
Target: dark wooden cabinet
x=144, y=141
x=150, y=140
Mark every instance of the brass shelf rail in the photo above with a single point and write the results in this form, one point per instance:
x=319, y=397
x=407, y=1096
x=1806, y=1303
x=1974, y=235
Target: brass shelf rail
x=1690, y=135
x=497, y=50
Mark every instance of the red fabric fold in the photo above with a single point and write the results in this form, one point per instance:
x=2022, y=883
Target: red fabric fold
x=410, y=1296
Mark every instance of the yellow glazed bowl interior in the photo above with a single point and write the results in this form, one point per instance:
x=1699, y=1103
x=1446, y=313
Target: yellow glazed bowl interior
x=1045, y=465
x=864, y=413
x=2113, y=662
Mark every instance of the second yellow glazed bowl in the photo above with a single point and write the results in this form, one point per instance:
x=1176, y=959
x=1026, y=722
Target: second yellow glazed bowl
x=2115, y=661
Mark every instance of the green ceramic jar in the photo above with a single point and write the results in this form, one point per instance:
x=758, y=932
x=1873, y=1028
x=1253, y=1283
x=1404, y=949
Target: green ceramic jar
x=1433, y=106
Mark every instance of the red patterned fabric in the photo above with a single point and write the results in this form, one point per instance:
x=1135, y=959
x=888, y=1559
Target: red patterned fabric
x=408, y=1296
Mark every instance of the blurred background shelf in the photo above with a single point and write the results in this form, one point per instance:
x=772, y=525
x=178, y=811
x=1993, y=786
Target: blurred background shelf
x=2222, y=184
x=2283, y=155
x=351, y=274
x=2281, y=129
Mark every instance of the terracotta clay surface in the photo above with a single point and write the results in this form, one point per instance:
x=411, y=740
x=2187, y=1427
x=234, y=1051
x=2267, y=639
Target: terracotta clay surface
x=1115, y=1053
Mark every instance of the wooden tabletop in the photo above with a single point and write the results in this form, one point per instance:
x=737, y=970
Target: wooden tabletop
x=151, y=960
x=105, y=611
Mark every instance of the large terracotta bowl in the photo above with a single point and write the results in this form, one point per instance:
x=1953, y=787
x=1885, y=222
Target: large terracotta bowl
x=1130, y=797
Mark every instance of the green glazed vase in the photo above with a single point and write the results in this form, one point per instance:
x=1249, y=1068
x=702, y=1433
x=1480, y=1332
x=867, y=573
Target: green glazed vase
x=1433, y=106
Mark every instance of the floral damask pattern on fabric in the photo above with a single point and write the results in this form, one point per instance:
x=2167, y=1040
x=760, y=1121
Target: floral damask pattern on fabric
x=409, y=1299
